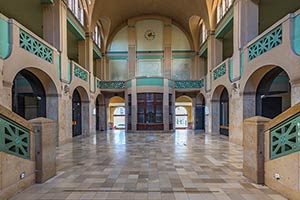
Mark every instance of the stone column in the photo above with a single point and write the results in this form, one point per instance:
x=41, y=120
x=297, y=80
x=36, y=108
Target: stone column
x=98, y=72
x=131, y=49
x=214, y=57
x=45, y=148
x=166, y=105
x=295, y=92
x=245, y=28
x=167, y=42
x=92, y=109
x=133, y=106
x=202, y=67
x=55, y=31
x=253, y=142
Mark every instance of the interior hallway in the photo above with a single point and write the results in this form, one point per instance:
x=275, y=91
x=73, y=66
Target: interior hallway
x=181, y=166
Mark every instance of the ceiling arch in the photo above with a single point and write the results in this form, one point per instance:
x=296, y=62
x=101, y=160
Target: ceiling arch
x=119, y=11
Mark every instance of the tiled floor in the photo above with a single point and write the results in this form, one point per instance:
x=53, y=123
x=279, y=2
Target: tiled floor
x=180, y=166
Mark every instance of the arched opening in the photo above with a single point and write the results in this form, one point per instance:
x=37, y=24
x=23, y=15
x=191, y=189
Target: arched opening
x=76, y=114
x=34, y=95
x=183, y=113
x=28, y=96
x=200, y=112
x=80, y=112
x=224, y=113
x=181, y=117
x=116, y=113
x=267, y=93
x=220, y=111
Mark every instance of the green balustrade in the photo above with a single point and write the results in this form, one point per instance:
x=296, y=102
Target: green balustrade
x=80, y=73
x=265, y=44
x=110, y=84
x=285, y=138
x=189, y=84
x=35, y=47
x=220, y=71
x=14, y=139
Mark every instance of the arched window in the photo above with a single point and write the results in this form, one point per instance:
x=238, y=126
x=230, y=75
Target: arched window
x=223, y=8
x=97, y=36
x=77, y=9
x=204, y=34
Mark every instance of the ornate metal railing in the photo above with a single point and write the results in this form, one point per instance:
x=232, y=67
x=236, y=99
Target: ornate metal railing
x=110, y=84
x=285, y=138
x=14, y=138
x=80, y=73
x=34, y=46
x=220, y=71
x=187, y=84
x=266, y=43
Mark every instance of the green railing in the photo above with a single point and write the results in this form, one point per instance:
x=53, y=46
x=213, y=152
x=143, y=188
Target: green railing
x=14, y=138
x=220, y=71
x=110, y=84
x=34, y=46
x=189, y=84
x=266, y=43
x=285, y=138
x=80, y=73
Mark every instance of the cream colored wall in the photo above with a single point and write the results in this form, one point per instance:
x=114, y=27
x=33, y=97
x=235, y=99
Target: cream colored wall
x=142, y=27
x=179, y=39
x=120, y=41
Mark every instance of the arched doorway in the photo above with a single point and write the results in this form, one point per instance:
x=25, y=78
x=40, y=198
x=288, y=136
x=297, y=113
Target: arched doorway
x=200, y=112
x=76, y=114
x=183, y=112
x=181, y=117
x=220, y=111
x=224, y=113
x=267, y=93
x=116, y=113
x=80, y=112
x=28, y=96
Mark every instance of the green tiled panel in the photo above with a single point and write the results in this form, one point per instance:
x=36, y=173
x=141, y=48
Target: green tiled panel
x=296, y=38
x=150, y=82
x=5, y=46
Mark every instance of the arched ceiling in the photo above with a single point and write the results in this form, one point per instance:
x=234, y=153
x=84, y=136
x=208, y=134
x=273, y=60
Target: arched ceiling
x=119, y=11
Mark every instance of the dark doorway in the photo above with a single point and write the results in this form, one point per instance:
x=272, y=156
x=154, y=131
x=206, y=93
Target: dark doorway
x=273, y=94
x=28, y=96
x=76, y=115
x=200, y=117
x=224, y=113
x=97, y=115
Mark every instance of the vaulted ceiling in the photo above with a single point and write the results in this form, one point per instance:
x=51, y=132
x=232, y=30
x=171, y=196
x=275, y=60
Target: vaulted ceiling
x=186, y=13
x=118, y=11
